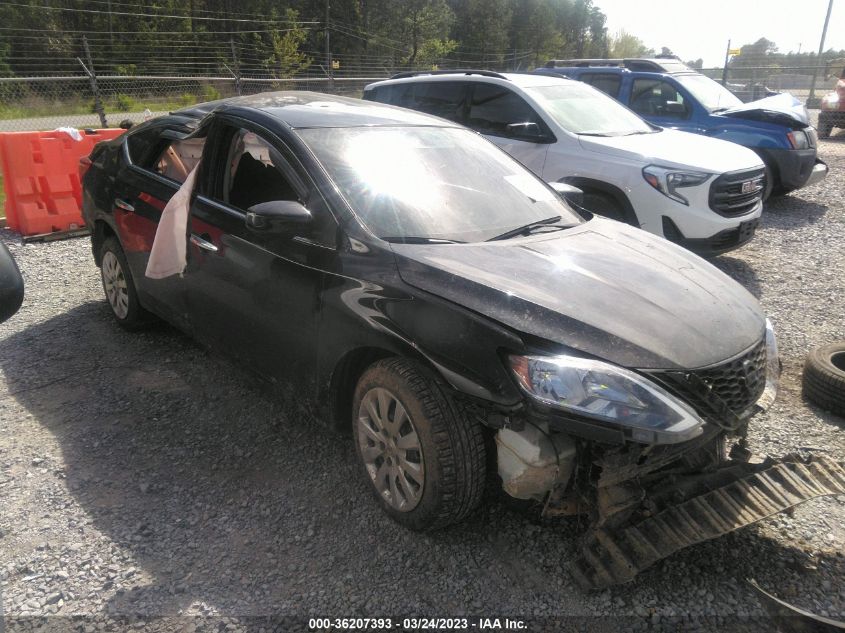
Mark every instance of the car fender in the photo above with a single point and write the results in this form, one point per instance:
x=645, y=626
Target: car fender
x=441, y=335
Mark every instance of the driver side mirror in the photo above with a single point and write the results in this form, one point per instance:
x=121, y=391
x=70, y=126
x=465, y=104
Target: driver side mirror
x=11, y=284
x=278, y=217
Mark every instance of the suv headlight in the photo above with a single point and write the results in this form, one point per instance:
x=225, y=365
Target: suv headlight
x=831, y=99
x=667, y=181
x=798, y=139
x=640, y=408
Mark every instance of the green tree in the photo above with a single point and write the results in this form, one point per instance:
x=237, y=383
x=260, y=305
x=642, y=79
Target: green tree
x=535, y=32
x=424, y=25
x=624, y=44
x=482, y=26
x=286, y=59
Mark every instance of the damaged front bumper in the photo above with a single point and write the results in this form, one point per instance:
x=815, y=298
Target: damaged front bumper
x=796, y=168
x=685, y=510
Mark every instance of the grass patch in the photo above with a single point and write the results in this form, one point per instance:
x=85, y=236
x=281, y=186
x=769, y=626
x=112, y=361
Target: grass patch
x=112, y=108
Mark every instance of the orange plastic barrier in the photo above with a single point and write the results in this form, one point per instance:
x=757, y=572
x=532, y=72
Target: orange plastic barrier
x=41, y=178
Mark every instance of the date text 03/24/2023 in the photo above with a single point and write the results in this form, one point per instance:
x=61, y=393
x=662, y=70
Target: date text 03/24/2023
x=417, y=624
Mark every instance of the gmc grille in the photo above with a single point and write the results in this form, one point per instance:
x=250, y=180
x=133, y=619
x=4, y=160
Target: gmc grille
x=737, y=192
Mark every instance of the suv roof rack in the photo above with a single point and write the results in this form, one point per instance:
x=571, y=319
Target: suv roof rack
x=671, y=64
x=457, y=71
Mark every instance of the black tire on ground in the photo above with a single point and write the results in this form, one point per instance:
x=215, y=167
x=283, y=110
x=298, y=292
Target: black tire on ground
x=453, y=446
x=604, y=205
x=825, y=126
x=135, y=316
x=770, y=183
x=824, y=378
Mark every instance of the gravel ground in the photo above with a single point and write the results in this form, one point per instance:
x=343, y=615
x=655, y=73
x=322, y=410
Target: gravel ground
x=147, y=483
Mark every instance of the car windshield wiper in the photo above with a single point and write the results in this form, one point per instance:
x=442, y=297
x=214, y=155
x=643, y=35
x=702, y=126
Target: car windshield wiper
x=596, y=134
x=413, y=239
x=528, y=228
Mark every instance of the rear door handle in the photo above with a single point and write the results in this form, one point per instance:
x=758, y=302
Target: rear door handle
x=203, y=244
x=122, y=204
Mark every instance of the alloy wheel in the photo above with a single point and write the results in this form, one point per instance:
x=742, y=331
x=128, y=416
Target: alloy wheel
x=391, y=450
x=114, y=283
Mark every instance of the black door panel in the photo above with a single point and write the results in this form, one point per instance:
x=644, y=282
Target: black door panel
x=254, y=296
x=139, y=201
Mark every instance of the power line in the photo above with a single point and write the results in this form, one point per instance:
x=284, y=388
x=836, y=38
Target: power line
x=156, y=15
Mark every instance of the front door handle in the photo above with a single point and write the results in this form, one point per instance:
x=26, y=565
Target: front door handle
x=196, y=240
x=122, y=204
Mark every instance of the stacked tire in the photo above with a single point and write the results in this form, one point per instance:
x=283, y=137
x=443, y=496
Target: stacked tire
x=824, y=378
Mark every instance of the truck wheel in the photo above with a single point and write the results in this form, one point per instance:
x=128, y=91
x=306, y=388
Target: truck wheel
x=120, y=287
x=825, y=126
x=824, y=378
x=774, y=187
x=424, y=462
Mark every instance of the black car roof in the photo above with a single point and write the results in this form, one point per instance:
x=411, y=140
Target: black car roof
x=301, y=109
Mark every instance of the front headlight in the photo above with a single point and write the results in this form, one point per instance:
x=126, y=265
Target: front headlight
x=643, y=410
x=798, y=139
x=831, y=99
x=667, y=181
x=772, y=369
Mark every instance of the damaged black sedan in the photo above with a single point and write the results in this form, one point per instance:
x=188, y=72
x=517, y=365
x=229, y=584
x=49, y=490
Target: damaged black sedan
x=401, y=275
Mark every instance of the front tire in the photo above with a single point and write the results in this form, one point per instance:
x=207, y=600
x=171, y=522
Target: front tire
x=770, y=183
x=825, y=126
x=604, y=205
x=119, y=287
x=424, y=462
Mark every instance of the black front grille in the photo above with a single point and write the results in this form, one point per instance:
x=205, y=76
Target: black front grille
x=737, y=192
x=736, y=384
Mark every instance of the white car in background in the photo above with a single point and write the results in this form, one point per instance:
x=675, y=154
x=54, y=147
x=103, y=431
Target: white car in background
x=703, y=193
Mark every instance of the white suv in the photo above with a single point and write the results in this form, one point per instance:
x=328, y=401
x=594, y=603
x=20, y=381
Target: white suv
x=703, y=193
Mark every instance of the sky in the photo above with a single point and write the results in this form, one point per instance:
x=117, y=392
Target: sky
x=696, y=28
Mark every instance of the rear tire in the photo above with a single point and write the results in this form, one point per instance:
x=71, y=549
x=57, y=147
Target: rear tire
x=424, y=462
x=119, y=287
x=824, y=378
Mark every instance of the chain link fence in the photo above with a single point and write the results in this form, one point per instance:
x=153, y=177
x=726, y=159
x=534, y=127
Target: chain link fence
x=750, y=83
x=46, y=103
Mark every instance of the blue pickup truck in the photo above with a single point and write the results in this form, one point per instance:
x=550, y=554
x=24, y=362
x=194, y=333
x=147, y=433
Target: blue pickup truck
x=669, y=94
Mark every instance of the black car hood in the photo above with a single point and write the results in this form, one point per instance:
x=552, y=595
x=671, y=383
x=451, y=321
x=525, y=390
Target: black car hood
x=603, y=288
x=783, y=109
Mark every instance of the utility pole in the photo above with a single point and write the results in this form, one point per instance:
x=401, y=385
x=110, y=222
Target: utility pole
x=329, y=68
x=811, y=99
x=725, y=69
